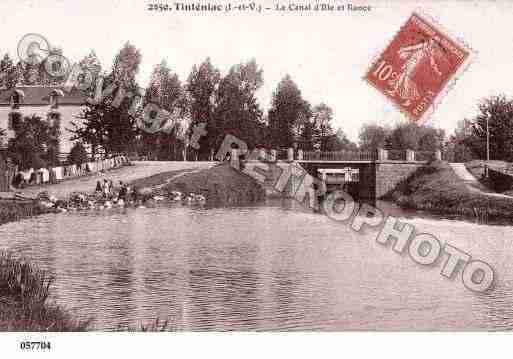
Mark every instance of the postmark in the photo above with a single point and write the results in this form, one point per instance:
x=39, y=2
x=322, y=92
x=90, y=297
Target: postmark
x=417, y=67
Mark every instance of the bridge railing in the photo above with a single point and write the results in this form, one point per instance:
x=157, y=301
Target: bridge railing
x=339, y=156
x=289, y=154
x=396, y=155
x=424, y=155
x=282, y=154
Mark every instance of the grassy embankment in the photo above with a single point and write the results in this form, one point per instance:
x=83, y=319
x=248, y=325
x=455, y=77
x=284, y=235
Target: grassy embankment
x=24, y=304
x=220, y=185
x=498, y=181
x=436, y=188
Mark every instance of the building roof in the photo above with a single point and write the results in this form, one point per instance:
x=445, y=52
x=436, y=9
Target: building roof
x=40, y=95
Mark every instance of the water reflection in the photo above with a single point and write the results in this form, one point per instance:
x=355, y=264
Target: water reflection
x=273, y=267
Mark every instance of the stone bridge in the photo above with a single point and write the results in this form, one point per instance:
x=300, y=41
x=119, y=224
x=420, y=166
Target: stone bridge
x=368, y=175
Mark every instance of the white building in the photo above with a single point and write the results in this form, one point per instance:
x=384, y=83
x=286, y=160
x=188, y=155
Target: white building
x=36, y=92
x=42, y=101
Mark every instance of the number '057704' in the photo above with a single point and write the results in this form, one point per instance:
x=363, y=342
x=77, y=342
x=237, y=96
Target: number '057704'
x=27, y=345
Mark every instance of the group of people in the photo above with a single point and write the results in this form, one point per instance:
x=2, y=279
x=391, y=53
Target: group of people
x=105, y=189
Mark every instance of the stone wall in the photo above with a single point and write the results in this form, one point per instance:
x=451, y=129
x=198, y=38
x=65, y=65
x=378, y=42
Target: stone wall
x=390, y=173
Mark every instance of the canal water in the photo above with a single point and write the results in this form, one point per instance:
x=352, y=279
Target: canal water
x=269, y=267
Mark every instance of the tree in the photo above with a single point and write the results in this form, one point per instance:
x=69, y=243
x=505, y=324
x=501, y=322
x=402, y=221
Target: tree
x=339, y=142
x=288, y=113
x=106, y=128
x=238, y=112
x=372, y=137
x=202, y=85
x=32, y=139
x=309, y=136
x=126, y=65
x=111, y=126
x=456, y=149
x=53, y=141
x=78, y=154
x=167, y=92
x=8, y=72
x=92, y=130
x=414, y=137
x=498, y=111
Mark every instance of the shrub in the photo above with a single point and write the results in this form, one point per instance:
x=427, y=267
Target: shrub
x=24, y=306
x=78, y=154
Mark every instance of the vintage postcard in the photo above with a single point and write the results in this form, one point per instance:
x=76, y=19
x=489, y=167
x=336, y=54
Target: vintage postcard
x=261, y=166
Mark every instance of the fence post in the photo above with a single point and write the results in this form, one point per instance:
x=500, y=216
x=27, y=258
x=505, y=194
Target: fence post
x=273, y=156
x=382, y=154
x=290, y=154
x=438, y=155
x=410, y=155
x=234, y=159
x=262, y=155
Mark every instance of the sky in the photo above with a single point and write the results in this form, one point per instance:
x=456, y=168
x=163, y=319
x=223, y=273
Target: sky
x=327, y=54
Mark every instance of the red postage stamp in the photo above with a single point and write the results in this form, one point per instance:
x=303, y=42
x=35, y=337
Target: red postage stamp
x=417, y=66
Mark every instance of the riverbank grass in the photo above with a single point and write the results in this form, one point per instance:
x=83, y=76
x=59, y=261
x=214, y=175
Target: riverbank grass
x=13, y=210
x=24, y=304
x=438, y=189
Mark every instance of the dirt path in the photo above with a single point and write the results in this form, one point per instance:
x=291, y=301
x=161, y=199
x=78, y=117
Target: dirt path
x=471, y=182
x=140, y=169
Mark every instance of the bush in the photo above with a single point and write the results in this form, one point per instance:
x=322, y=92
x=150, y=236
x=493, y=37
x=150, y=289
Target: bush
x=78, y=154
x=11, y=210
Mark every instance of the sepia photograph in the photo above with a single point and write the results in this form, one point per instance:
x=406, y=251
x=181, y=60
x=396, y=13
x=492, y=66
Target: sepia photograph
x=197, y=167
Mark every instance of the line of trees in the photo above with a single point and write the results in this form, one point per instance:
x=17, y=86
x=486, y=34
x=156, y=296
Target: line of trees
x=226, y=104
x=469, y=139
x=402, y=137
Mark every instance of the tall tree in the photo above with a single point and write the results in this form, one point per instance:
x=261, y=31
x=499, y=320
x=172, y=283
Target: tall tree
x=202, y=85
x=308, y=139
x=167, y=92
x=414, y=137
x=8, y=73
x=33, y=137
x=498, y=112
x=339, y=142
x=372, y=137
x=109, y=124
x=126, y=65
x=78, y=154
x=288, y=112
x=238, y=112
x=456, y=148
